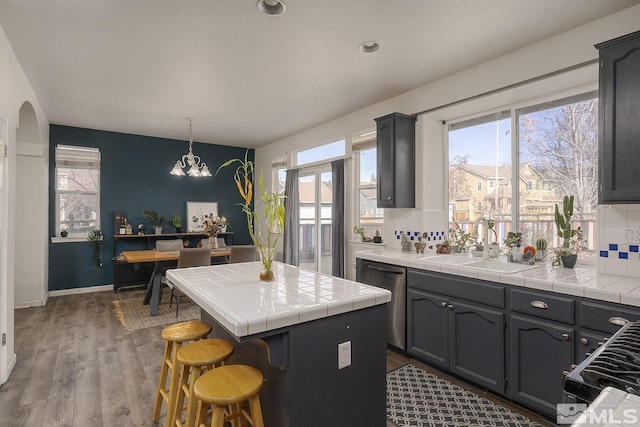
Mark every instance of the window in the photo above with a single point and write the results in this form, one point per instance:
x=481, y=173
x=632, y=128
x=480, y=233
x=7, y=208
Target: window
x=77, y=189
x=321, y=153
x=369, y=215
x=557, y=155
x=558, y=146
x=480, y=147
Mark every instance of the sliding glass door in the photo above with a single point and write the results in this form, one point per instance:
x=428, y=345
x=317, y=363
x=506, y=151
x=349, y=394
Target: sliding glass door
x=315, y=221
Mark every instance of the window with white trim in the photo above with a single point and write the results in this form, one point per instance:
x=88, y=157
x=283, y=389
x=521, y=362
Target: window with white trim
x=369, y=216
x=77, y=189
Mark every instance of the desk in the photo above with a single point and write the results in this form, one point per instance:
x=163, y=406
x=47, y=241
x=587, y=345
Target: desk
x=154, y=288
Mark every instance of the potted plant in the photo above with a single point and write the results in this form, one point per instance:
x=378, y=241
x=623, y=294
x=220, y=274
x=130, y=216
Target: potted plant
x=513, y=240
x=360, y=231
x=572, y=243
x=273, y=213
x=459, y=240
x=377, y=238
x=177, y=223
x=541, y=249
x=97, y=240
x=155, y=219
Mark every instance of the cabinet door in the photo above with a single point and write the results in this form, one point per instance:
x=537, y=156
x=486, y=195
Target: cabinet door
x=427, y=332
x=477, y=344
x=619, y=127
x=539, y=353
x=386, y=163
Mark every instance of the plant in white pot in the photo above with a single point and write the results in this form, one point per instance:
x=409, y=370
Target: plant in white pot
x=155, y=219
x=572, y=241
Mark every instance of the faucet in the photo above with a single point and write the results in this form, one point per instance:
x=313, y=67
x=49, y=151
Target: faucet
x=485, y=244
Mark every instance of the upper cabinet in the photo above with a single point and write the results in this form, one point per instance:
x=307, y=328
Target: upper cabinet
x=396, y=161
x=619, y=120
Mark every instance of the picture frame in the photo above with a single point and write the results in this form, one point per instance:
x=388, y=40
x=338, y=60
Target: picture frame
x=196, y=212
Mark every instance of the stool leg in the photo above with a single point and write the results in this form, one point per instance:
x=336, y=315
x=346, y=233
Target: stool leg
x=173, y=385
x=256, y=411
x=184, y=381
x=202, y=414
x=192, y=404
x=217, y=418
x=157, y=407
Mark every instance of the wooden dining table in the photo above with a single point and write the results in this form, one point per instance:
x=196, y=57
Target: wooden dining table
x=160, y=260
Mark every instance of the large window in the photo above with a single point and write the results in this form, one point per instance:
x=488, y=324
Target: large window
x=321, y=153
x=556, y=146
x=370, y=217
x=77, y=189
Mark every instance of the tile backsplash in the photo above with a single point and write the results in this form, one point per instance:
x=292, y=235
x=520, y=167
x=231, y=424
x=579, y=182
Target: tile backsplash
x=619, y=240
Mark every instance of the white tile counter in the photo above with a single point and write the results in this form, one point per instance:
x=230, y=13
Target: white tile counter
x=580, y=281
x=233, y=295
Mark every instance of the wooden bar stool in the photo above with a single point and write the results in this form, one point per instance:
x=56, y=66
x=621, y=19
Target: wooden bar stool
x=230, y=387
x=204, y=354
x=174, y=335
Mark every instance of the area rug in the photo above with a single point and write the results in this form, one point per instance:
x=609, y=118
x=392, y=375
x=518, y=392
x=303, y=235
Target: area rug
x=418, y=398
x=133, y=314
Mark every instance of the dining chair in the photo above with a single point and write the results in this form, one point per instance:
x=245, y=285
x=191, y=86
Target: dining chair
x=169, y=245
x=190, y=257
x=243, y=253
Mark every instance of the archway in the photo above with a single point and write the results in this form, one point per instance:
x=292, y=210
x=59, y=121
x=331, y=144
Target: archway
x=31, y=212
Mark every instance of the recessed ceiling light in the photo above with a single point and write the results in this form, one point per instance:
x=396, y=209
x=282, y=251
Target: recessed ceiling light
x=369, y=47
x=271, y=7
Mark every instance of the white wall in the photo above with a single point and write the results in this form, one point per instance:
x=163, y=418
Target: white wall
x=14, y=90
x=559, y=52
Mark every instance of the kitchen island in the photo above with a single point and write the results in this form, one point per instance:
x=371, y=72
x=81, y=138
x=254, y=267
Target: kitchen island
x=290, y=329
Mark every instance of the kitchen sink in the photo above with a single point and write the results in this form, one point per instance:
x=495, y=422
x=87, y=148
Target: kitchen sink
x=449, y=259
x=500, y=266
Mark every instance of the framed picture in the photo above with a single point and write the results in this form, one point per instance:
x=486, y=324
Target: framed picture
x=196, y=212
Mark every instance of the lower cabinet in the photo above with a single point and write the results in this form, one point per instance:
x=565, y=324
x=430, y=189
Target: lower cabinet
x=463, y=338
x=539, y=352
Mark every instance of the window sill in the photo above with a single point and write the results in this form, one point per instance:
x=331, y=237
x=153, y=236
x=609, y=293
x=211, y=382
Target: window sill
x=68, y=239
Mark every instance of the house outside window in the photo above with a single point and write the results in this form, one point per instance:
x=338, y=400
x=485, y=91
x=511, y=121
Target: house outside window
x=556, y=144
x=77, y=189
x=369, y=216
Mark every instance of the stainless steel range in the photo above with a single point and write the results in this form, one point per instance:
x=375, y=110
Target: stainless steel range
x=614, y=364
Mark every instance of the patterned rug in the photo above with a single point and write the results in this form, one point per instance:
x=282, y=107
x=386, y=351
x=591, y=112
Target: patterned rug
x=418, y=398
x=133, y=315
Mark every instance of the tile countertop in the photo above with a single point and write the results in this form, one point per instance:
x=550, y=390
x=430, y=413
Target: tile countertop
x=234, y=296
x=580, y=281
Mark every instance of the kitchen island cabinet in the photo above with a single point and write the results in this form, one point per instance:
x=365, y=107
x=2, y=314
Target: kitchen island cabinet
x=619, y=127
x=290, y=330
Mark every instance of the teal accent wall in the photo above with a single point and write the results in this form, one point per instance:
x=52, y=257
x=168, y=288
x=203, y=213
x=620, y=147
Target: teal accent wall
x=134, y=176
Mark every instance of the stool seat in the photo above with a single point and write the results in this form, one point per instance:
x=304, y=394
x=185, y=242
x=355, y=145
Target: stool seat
x=205, y=352
x=186, y=331
x=200, y=355
x=229, y=384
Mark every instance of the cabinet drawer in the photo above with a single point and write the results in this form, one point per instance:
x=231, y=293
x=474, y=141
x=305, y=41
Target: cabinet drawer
x=605, y=318
x=475, y=290
x=542, y=305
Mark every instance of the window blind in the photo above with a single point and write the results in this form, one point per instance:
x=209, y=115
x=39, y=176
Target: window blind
x=77, y=157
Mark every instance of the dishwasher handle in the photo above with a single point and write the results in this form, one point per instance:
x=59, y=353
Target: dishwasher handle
x=384, y=269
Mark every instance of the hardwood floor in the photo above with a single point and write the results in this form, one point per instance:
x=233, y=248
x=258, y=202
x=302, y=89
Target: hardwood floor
x=77, y=366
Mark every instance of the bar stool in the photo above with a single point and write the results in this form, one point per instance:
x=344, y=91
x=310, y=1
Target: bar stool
x=204, y=354
x=174, y=335
x=230, y=387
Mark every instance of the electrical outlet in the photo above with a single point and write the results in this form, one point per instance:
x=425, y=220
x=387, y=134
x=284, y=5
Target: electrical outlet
x=344, y=354
x=629, y=234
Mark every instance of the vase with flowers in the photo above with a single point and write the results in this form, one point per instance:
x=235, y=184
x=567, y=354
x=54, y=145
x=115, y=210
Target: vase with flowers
x=264, y=234
x=211, y=226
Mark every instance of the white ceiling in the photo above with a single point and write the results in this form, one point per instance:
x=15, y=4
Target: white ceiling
x=142, y=66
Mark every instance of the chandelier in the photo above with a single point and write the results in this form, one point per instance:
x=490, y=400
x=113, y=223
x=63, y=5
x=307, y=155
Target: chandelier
x=190, y=160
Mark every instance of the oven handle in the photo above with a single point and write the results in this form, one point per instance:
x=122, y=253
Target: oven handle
x=618, y=321
x=539, y=304
x=384, y=270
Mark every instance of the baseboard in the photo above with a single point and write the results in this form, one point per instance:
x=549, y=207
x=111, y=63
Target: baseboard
x=75, y=291
x=10, y=366
x=28, y=304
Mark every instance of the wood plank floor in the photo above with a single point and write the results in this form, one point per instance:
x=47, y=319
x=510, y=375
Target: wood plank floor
x=77, y=366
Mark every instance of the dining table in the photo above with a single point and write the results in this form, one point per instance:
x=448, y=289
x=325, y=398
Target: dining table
x=161, y=261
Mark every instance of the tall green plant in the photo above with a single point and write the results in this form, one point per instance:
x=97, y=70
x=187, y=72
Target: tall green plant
x=571, y=237
x=273, y=211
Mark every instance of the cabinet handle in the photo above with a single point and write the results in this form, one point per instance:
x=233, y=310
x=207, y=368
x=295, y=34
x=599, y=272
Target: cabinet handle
x=450, y=307
x=618, y=321
x=584, y=341
x=443, y=304
x=388, y=197
x=566, y=337
x=539, y=304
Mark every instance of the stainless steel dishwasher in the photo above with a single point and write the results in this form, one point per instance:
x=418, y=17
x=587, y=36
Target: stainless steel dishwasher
x=394, y=279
